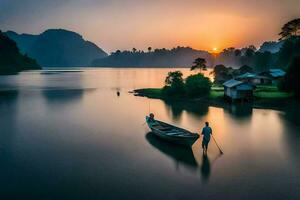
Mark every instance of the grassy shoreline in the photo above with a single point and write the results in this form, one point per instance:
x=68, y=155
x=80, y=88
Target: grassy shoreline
x=264, y=97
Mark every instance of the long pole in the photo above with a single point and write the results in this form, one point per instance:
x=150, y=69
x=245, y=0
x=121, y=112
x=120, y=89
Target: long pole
x=217, y=145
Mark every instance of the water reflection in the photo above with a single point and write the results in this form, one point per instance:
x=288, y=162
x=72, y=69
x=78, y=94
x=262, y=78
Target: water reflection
x=205, y=168
x=206, y=165
x=181, y=155
x=9, y=108
x=8, y=97
x=176, y=108
x=290, y=113
x=64, y=95
x=290, y=117
x=95, y=141
x=240, y=111
x=184, y=157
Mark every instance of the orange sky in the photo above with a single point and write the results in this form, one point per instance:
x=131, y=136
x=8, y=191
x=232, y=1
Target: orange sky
x=124, y=24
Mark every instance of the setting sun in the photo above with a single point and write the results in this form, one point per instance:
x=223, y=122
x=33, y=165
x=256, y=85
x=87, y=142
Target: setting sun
x=215, y=49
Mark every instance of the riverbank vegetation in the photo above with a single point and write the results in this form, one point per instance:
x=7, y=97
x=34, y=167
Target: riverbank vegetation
x=217, y=92
x=195, y=85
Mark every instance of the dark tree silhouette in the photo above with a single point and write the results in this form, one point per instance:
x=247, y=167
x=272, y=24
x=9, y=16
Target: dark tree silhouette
x=289, y=49
x=252, y=47
x=149, y=49
x=245, y=68
x=291, y=80
x=174, y=78
x=263, y=61
x=174, y=84
x=292, y=28
x=249, y=52
x=199, y=63
x=180, y=56
x=221, y=74
x=197, y=85
x=134, y=50
x=237, y=52
x=11, y=60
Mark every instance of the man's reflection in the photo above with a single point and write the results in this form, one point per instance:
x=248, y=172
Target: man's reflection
x=206, y=165
x=205, y=168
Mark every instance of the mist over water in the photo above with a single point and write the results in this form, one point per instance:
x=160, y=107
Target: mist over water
x=68, y=135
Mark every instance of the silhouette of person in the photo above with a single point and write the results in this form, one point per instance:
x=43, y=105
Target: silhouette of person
x=206, y=132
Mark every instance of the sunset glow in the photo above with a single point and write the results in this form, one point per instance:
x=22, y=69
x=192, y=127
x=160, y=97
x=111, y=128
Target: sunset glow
x=160, y=24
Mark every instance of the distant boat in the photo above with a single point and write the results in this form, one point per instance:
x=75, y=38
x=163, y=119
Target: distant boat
x=172, y=133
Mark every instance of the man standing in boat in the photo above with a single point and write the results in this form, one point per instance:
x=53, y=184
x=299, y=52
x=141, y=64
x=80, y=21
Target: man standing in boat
x=206, y=132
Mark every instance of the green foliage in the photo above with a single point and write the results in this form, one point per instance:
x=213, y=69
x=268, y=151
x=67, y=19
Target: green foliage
x=290, y=29
x=11, y=60
x=197, y=85
x=174, y=78
x=221, y=74
x=291, y=81
x=263, y=61
x=214, y=94
x=193, y=86
x=155, y=93
x=270, y=91
x=199, y=63
x=245, y=68
x=289, y=49
x=174, y=84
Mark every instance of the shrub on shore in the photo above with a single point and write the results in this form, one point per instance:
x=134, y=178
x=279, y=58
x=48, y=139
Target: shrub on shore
x=194, y=85
x=174, y=84
x=197, y=85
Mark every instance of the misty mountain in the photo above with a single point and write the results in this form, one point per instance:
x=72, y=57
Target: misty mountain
x=271, y=46
x=176, y=57
x=58, y=48
x=11, y=60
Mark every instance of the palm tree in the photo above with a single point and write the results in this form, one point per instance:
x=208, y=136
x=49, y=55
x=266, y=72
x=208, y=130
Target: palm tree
x=200, y=63
x=292, y=28
x=133, y=50
x=149, y=49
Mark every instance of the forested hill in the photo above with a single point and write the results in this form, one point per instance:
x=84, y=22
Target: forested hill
x=58, y=48
x=11, y=60
x=176, y=57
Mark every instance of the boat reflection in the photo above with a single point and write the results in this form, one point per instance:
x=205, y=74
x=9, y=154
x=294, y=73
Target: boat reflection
x=182, y=155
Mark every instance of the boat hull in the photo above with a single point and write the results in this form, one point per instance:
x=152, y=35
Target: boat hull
x=179, y=141
x=186, y=138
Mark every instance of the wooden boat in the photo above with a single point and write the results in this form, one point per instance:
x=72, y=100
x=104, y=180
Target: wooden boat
x=172, y=133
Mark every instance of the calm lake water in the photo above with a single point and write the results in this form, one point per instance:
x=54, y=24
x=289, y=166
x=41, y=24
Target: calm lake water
x=68, y=135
